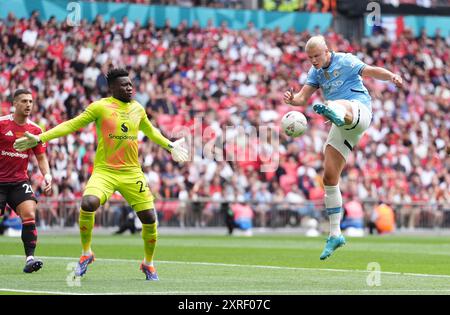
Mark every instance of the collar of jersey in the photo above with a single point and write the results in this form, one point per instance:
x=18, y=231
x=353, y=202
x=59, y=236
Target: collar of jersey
x=120, y=102
x=331, y=60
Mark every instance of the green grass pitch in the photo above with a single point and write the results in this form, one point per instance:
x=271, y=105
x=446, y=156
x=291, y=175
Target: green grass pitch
x=223, y=265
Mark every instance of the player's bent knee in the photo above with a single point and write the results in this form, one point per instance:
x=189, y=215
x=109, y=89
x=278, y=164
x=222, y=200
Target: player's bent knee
x=147, y=216
x=26, y=216
x=90, y=203
x=330, y=180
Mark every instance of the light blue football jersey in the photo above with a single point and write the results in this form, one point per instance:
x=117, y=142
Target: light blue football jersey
x=341, y=80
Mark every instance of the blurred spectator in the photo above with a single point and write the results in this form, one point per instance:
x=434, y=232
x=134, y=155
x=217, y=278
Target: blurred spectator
x=236, y=4
x=183, y=205
x=260, y=198
x=242, y=218
x=169, y=187
x=382, y=219
x=48, y=210
x=68, y=207
x=296, y=201
x=127, y=220
x=10, y=223
x=198, y=205
x=353, y=217
x=421, y=3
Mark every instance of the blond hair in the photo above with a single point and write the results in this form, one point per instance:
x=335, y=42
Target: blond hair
x=316, y=41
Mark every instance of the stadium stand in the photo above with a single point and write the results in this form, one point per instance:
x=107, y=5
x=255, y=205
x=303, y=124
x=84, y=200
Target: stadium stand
x=234, y=78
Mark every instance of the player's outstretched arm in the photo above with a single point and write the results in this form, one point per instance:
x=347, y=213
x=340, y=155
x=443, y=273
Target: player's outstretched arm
x=301, y=98
x=178, y=151
x=29, y=141
x=382, y=74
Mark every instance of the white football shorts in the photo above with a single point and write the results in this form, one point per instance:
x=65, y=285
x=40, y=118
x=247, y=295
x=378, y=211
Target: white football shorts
x=345, y=138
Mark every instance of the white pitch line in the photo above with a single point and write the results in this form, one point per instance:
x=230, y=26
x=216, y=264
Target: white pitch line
x=39, y=292
x=246, y=266
x=209, y=292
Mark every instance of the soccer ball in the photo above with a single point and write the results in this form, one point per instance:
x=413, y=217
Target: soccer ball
x=294, y=124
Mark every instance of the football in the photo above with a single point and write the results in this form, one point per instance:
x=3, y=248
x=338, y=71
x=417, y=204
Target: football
x=294, y=124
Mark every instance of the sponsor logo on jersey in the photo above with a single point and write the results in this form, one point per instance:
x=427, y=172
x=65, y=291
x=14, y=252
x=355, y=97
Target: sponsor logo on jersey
x=15, y=154
x=124, y=127
x=122, y=137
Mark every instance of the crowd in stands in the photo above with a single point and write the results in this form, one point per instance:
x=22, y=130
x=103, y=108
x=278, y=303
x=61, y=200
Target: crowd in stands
x=269, y=5
x=234, y=4
x=280, y=5
x=420, y=3
x=223, y=82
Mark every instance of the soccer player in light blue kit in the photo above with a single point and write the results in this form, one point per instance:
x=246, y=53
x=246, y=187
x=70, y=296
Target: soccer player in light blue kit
x=348, y=107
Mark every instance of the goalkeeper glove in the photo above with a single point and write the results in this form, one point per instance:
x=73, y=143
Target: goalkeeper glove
x=179, y=153
x=26, y=142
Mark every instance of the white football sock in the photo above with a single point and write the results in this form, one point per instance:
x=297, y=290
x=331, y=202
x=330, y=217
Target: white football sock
x=333, y=203
x=148, y=263
x=30, y=258
x=335, y=224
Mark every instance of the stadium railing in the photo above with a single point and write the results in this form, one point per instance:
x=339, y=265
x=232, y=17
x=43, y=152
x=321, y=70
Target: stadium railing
x=207, y=212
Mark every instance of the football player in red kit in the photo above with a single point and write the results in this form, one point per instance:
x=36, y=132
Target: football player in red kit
x=15, y=186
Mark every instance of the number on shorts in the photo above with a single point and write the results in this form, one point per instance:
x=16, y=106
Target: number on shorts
x=141, y=190
x=28, y=189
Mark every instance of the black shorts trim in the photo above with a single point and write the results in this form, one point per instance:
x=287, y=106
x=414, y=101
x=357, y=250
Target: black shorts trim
x=357, y=122
x=348, y=145
x=313, y=85
x=361, y=70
